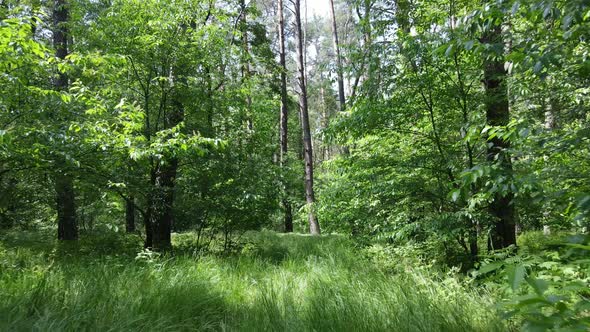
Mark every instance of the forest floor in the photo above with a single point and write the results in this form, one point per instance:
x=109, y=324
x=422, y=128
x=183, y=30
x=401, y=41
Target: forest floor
x=274, y=282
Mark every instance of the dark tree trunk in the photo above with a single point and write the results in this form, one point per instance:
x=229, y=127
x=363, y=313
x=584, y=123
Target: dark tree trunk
x=163, y=198
x=498, y=114
x=147, y=218
x=163, y=189
x=284, y=120
x=60, y=38
x=147, y=222
x=130, y=214
x=67, y=228
x=314, y=226
x=288, y=216
x=473, y=248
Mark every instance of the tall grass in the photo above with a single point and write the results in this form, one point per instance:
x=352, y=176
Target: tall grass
x=277, y=283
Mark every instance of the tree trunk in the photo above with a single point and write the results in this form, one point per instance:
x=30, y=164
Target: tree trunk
x=284, y=120
x=246, y=63
x=314, y=226
x=325, y=120
x=473, y=248
x=67, y=228
x=130, y=215
x=163, y=198
x=60, y=38
x=549, y=125
x=147, y=222
x=498, y=114
x=365, y=25
x=339, y=70
x=147, y=218
x=288, y=216
x=163, y=189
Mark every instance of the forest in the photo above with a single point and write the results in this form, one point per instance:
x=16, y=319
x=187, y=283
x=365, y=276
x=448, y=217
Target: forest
x=295, y=165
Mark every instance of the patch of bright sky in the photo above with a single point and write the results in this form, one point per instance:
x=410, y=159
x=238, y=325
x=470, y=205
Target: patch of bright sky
x=318, y=7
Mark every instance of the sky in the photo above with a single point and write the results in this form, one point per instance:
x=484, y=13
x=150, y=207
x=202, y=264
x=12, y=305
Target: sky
x=319, y=7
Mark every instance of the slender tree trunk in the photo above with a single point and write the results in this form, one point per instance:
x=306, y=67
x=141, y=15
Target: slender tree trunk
x=130, y=215
x=325, y=119
x=339, y=69
x=284, y=120
x=366, y=75
x=147, y=218
x=246, y=62
x=498, y=114
x=314, y=226
x=463, y=102
x=209, y=129
x=549, y=124
x=67, y=228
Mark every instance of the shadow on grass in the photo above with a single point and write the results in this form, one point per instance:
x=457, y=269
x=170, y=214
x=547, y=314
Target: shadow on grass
x=274, y=283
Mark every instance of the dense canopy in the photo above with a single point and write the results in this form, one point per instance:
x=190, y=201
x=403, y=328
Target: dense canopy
x=436, y=143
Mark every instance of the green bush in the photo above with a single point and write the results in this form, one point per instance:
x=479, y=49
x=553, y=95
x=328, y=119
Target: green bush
x=536, y=241
x=545, y=285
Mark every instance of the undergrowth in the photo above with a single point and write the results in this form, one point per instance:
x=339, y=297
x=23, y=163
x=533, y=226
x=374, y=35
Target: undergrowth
x=274, y=282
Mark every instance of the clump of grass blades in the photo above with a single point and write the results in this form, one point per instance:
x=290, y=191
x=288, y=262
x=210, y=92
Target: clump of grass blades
x=312, y=284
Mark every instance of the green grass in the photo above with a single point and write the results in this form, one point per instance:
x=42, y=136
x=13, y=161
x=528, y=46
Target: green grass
x=276, y=283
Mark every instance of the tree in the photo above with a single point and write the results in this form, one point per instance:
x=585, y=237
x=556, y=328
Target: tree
x=314, y=226
x=130, y=215
x=498, y=114
x=339, y=69
x=67, y=228
x=284, y=118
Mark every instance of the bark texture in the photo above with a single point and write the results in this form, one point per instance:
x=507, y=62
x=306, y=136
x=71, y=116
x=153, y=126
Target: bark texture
x=314, y=226
x=67, y=227
x=130, y=215
x=498, y=114
x=163, y=199
x=284, y=119
x=339, y=71
x=162, y=196
x=147, y=218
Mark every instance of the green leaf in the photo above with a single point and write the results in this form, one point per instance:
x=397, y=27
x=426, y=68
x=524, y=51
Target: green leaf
x=508, y=66
x=490, y=267
x=66, y=98
x=538, y=67
x=578, y=246
x=120, y=104
x=75, y=127
x=516, y=276
x=450, y=50
x=515, y=7
x=526, y=300
x=538, y=285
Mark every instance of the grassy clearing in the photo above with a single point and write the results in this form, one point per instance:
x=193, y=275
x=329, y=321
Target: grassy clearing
x=277, y=283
